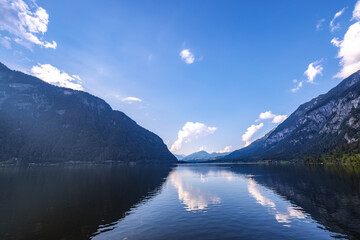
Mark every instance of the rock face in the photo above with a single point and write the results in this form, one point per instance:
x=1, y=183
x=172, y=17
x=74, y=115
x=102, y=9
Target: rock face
x=315, y=128
x=40, y=123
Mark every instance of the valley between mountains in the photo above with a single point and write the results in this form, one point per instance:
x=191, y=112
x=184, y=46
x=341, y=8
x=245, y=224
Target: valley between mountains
x=42, y=123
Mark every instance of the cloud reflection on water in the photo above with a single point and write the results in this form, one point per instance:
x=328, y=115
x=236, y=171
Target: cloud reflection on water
x=191, y=194
x=281, y=217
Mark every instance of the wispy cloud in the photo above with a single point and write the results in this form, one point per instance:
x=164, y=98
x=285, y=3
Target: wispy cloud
x=319, y=25
x=187, y=56
x=52, y=75
x=336, y=42
x=131, y=99
x=5, y=41
x=299, y=85
x=332, y=24
x=246, y=137
x=349, y=47
x=189, y=132
x=25, y=23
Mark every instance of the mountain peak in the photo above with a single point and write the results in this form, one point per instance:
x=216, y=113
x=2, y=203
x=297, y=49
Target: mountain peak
x=3, y=67
x=201, y=156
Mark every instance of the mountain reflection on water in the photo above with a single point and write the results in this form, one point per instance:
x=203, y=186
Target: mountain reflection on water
x=71, y=202
x=244, y=201
x=330, y=194
x=247, y=202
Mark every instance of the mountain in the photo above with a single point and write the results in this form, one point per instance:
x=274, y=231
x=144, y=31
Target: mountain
x=202, y=156
x=315, y=129
x=179, y=156
x=41, y=123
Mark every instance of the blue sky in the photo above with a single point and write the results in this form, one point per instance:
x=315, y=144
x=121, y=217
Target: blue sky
x=197, y=73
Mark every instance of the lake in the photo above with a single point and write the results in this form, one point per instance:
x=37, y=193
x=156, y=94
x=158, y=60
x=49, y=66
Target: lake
x=203, y=201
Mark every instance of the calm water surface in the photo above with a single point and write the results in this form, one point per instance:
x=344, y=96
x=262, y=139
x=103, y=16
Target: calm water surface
x=184, y=202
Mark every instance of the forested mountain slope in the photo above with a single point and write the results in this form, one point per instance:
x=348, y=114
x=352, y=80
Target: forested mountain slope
x=40, y=122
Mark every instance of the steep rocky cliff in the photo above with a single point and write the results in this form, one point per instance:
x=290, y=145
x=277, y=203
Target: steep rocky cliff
x=315, y=128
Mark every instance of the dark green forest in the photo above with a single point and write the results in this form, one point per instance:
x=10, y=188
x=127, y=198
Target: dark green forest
x=343, y=154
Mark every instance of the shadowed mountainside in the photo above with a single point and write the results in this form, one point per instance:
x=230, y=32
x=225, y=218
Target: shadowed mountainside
x=40, y=122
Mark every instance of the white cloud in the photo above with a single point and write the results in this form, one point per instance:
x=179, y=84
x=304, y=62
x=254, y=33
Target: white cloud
x=266, y=115
x=191, y=131
x=131, y=99
x=250, y=131
x=356, y=12
x=187, y=56
x=320, y=24
x=225, y=150
x=193, y=197
x=313, y=70
x=349, y=47
x=52, y=75
x=269, y=115
x=336, y=42
x=349, y=51
x=260, y=198
x=246, y=137
x=332, y=24
x=25, y=23
x=298, y=86
x=279, y=118
x=284, y=217
x=202, y=148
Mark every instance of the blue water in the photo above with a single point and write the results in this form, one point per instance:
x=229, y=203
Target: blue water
x=213, y=202
x=190, y=202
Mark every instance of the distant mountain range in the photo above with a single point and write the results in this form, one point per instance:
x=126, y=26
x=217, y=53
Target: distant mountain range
x=179, y=156
x=202, y=156
x=328, y=124
x=42, y=123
